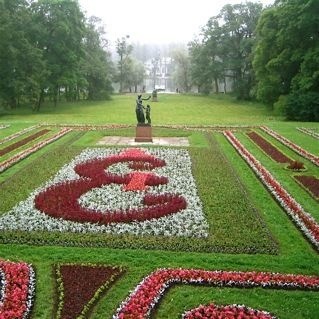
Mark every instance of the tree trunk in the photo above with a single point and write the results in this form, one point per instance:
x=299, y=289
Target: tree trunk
x=216, y=85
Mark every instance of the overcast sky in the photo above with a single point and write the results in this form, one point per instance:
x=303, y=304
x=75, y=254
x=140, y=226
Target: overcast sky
x=161, y=21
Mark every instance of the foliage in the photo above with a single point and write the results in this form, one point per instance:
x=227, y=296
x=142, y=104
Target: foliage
x=182, y=70
x=286, y=55
x=303, y=106
x=226, y=49
x=49, y=49
x=124, y=49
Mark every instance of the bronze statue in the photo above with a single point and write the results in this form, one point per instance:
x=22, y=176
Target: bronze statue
x=139, y=110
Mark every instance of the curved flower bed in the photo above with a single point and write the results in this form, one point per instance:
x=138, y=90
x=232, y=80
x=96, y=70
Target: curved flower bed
x=11, y=137
x=81, y=285
x=22, y=142
x=23, y=154
x=308, y=132
x=303, y=220
x=149, y=291
x=17, y=286
x=299, y=150
x=269, y=149
x=134, y=191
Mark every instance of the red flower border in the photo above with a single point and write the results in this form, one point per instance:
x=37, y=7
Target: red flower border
x=212, y=311
x=18, y=290
x=147, y=294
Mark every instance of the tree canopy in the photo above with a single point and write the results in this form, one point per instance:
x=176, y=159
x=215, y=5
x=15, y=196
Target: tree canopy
x=50, y=49
x=286, y=57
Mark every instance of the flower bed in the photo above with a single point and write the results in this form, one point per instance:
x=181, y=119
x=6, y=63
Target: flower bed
x=23, y=154
x=311, y=183
x=80, y=286
x=102, y=191
x=303, y=220
x=149, y=291
x=269, y=149
x=15, y=135
x=308, y=132
x=212, y=311
x=22, y=142
x=17, y=286
x=299, y=150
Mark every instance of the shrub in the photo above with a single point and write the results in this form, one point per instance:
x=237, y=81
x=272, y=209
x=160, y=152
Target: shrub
x=296, y=166
x=303, y=107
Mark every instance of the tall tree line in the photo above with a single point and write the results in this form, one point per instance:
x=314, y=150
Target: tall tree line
x=48, y=48
x=286, y=59
x=224, y=50
x=270, y=54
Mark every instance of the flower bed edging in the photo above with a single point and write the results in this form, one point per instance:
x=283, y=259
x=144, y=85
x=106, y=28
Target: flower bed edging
x=304, y=221
x=17, y=281
x=149, y=291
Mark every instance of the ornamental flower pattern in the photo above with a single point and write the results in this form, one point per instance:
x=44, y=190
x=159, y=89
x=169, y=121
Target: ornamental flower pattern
x=149, y=291
x=303, y=220
x=17, y=286
x=101, y=191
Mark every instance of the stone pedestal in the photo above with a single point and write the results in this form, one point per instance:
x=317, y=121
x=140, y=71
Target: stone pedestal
x=143, y=133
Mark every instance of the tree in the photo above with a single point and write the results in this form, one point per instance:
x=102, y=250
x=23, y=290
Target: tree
x=60, y=38
x=225, y=49
x=21, y=61
x=124, y=50
x=96, y=64
x=182, y=71
x=138, y=74
x=239, y=22
x=286, y=55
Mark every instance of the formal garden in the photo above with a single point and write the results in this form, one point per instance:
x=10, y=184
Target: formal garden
x=227, y=227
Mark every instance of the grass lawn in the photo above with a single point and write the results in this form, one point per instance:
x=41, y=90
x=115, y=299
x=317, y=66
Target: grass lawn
x=248, y=230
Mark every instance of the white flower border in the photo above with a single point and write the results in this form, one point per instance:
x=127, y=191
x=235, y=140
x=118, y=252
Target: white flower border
x=297, y=149
x=189, y=222
x=308, y=132
x=286, y=201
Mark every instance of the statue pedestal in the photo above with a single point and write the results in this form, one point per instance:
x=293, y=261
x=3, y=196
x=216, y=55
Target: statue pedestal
x=143, y=133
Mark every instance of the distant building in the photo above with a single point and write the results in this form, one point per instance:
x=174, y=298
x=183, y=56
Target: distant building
x=159, y=74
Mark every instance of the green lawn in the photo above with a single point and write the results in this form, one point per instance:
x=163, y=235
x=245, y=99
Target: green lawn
x=248, y=229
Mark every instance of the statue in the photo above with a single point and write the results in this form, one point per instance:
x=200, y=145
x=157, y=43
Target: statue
x=148, y=114
x=140, y=109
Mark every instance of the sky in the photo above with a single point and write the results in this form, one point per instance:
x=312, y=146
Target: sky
x=155, y=22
